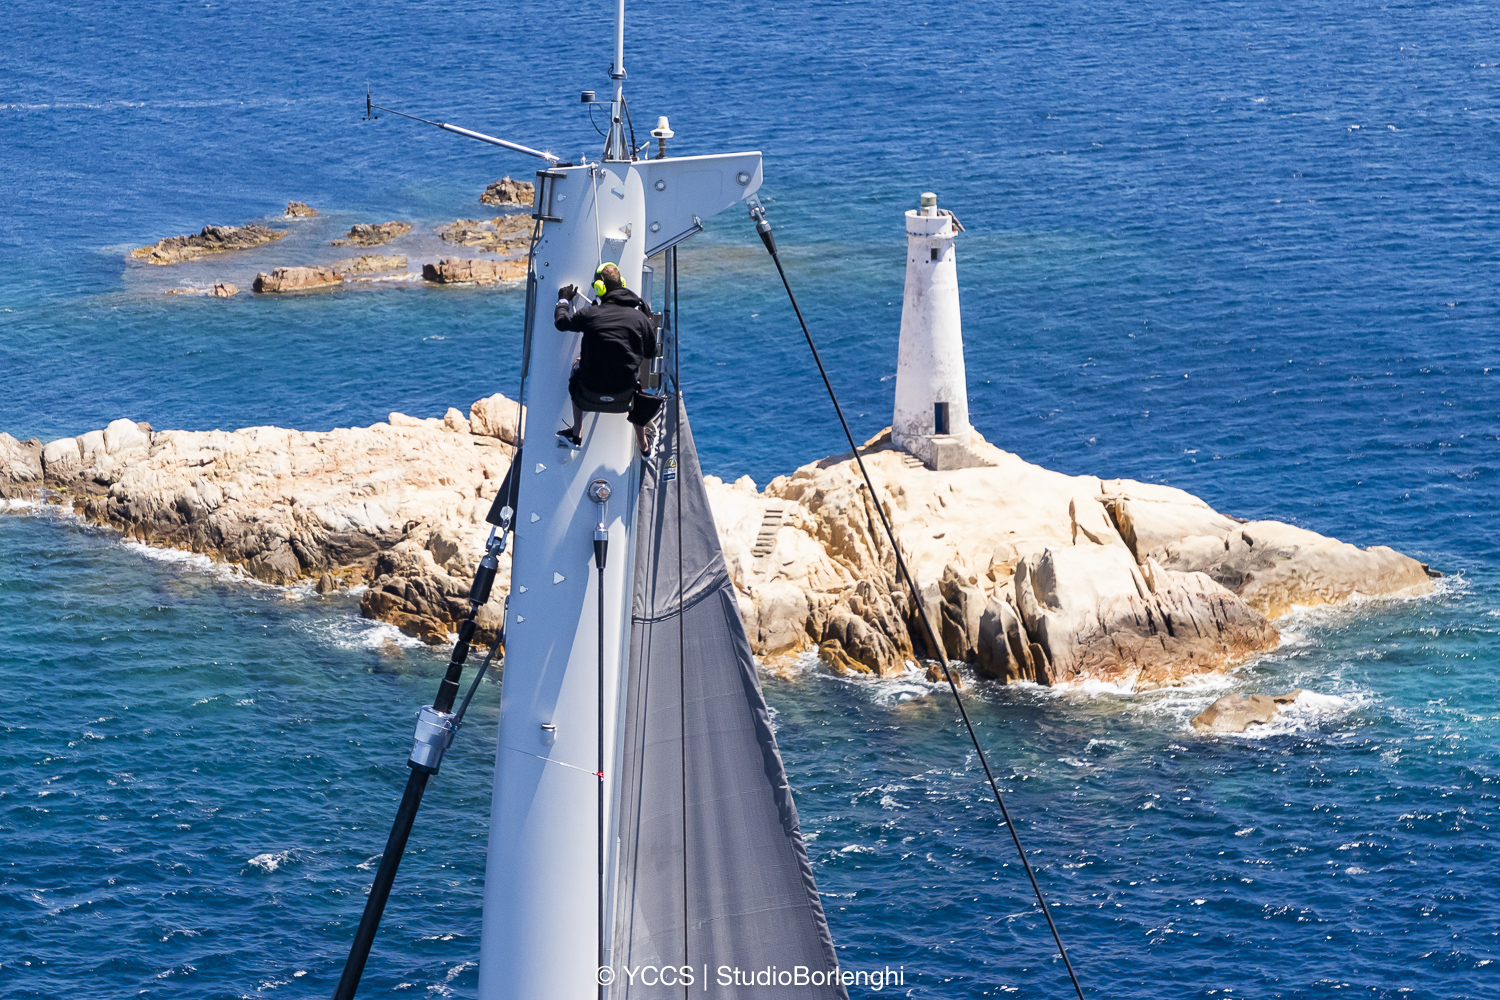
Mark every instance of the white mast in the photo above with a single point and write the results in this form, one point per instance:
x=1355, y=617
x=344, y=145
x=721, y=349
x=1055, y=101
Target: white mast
x=542, y=919
x=616, y=146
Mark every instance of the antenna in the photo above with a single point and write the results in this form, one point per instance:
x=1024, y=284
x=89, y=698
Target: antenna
x=615, y=147
x=370, y=110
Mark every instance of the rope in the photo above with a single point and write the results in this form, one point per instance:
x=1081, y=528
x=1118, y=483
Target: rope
x=681, y=598
x=600, y=773
x=919, y=605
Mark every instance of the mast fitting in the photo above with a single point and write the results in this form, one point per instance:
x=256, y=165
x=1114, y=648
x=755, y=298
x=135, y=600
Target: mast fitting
x=435, y=731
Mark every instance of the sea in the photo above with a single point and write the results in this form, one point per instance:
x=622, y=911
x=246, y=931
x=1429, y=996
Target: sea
x=1250, y=249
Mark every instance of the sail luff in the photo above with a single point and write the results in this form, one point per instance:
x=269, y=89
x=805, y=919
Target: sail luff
x=751, y=899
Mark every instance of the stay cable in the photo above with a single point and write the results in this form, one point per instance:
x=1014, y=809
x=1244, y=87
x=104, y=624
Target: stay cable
x=763, y=227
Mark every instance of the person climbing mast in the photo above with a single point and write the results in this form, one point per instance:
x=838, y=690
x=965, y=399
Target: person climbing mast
x=618, y=333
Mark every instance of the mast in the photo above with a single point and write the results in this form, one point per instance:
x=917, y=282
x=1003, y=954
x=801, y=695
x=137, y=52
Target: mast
x=546, y=921
x=616, y=146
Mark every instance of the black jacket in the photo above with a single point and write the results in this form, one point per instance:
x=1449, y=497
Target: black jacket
x=617, y=335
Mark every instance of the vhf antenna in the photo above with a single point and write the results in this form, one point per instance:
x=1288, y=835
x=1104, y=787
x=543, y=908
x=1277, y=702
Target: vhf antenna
x=371, y=108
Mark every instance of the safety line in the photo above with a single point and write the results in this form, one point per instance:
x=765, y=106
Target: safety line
x=559, y=763
x=920, y=606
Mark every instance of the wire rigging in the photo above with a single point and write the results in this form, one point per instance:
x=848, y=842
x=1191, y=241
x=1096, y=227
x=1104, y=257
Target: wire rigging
x=758, y=215
x=681, y=597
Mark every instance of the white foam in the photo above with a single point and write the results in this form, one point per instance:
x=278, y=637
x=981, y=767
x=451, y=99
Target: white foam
x=268, y=863
x=354, y=632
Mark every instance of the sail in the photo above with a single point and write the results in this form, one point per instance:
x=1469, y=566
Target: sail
x=711, y=874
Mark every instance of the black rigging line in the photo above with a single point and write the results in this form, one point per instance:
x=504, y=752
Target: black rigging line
x=595, y=124
x=758, y=214
x=626, y=108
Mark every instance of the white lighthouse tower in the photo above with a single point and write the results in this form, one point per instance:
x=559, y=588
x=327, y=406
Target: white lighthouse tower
x=932, y=397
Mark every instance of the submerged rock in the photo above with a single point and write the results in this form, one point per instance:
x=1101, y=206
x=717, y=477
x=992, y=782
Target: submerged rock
x=372, y=235
x=452, y=270
x=299, y=209
x=370, y=264
x=509, y=192
x=502, y=234
x=212, y=240
x=222, y=290
x=297, y=279
x=1235, y=713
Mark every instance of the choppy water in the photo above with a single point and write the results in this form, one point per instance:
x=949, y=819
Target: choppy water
x=1246, y=249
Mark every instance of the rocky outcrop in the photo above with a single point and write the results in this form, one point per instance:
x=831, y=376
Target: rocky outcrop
x=20, y=466
x=370, y=263
x=1026, y=574
x=502, y=234
x=299, y=210
x=222, y=290
x=399, y=505
x=212, y=240
x=372, y=235
x=298, y=279
x=452, y=270
x=1273, y=566
x=1235, y=713
x=508, y=192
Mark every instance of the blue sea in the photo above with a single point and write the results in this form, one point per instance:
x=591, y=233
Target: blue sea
x=1249, y=249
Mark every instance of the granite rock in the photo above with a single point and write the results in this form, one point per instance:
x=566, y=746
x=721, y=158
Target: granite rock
x=1026, y=574
x=298, y=279
x=455, y=270
x=502, y=234
x=211, y=240
x=1235, y=713
x=370, y=263
x=366, y=234
x=509, y=192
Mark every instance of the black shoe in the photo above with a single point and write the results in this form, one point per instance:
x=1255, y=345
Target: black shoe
x=568, y=438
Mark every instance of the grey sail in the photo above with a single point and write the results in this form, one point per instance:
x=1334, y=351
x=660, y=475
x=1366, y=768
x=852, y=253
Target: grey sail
x=712, y=869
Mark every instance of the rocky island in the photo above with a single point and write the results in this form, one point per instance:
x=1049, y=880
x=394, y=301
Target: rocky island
x=1030, y=574
x=211, y=240
x=502, y=234
x=506, y=191
x=367, y=234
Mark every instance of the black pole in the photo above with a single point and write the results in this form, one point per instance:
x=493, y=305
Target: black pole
x=380, y=890
x=416, y=785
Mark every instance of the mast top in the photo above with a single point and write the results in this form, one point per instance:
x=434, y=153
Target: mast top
x=617, y=146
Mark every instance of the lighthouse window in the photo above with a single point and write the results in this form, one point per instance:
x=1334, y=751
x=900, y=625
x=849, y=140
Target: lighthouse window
x=939, y=414
x=934, y=253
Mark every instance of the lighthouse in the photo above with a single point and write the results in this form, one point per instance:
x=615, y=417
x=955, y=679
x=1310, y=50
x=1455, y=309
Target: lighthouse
x=931, y=420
